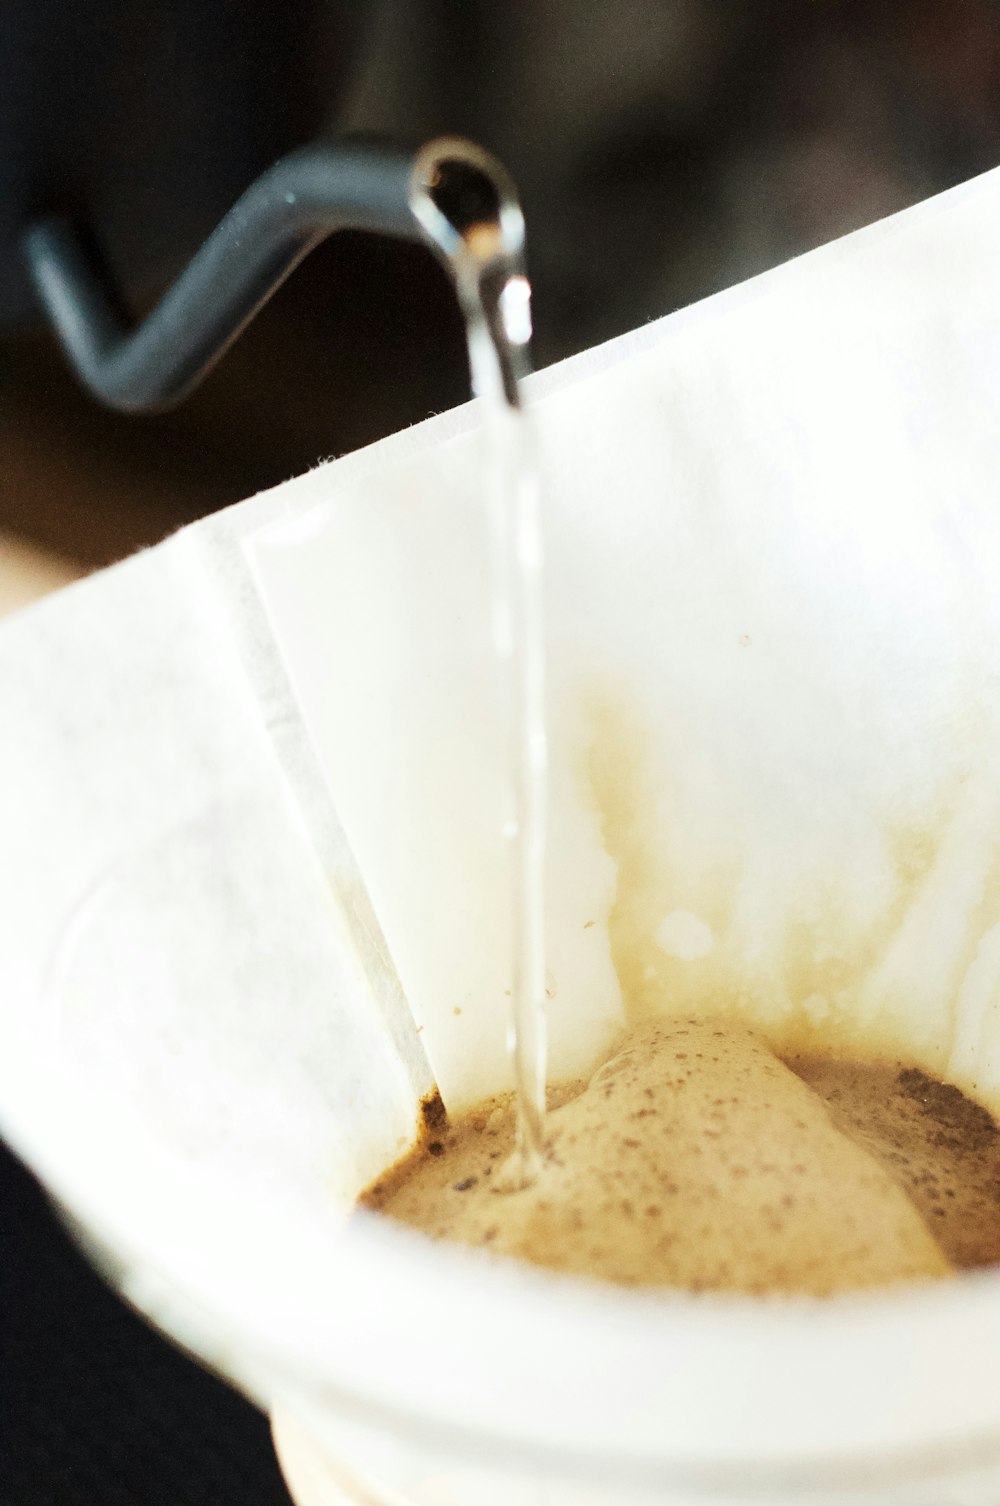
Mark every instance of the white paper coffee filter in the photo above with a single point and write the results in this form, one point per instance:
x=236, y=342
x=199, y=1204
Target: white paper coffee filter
x=255, y=901
x=772, y=540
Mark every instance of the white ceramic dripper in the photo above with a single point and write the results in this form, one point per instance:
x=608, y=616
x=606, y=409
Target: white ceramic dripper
x=775, y=713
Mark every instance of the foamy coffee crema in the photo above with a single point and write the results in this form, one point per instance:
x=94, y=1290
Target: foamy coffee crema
x=696, y=1158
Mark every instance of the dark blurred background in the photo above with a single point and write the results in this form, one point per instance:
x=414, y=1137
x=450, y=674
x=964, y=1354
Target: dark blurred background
x=663, y=151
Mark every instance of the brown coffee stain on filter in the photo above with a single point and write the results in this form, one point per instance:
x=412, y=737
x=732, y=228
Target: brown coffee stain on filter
x=913, y=1002
x=618, y=771
x=831, y=984
x=615, y=773
x=825, y=961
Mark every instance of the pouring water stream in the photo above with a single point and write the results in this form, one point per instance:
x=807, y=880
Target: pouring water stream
x=468, y=207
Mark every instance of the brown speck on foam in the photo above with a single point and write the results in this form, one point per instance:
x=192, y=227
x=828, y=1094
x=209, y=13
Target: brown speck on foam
x=433, y=1112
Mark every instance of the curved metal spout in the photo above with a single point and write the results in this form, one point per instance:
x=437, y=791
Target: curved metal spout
x=291, y=208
